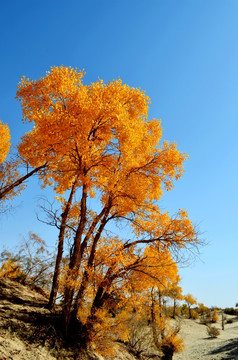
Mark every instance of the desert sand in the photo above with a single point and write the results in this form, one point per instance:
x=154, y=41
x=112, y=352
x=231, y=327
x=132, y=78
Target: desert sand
x=200, y=346
x=21, y=313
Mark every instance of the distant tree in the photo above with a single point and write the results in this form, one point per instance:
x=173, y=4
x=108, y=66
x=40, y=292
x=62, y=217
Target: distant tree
x=190, y=301
x=175, y=293
x=165, y=337
x=202, y=309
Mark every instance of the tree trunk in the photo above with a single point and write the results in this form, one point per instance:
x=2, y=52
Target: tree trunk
x=55, y=283
x=74, y=263
x=156, y=335
x=174, y=309
x=167, y=353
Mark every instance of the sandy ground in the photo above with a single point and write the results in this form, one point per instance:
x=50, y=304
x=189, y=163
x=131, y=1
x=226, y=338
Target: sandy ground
x=200, y=346
x=22, y=316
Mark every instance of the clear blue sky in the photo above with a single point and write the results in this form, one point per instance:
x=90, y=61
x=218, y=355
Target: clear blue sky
x=184, y=54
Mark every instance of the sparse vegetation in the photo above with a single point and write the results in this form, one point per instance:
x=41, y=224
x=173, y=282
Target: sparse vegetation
x=30, y=263
x=29, y=329
x=212, y=331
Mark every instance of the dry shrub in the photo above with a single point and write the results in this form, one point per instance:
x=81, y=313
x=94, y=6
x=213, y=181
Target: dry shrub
x=30, y=263
x=212, y=331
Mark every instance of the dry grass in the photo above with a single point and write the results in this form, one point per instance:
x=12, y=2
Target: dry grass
x=201, y=346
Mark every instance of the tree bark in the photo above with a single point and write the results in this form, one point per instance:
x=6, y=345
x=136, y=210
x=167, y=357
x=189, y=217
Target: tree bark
x=155, y=331
x=55, y=283
x=74, y=263
x=174, y=309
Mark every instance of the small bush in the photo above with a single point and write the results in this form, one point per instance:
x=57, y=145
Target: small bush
x=212, y=331
x=171, y=344
x=229, y=321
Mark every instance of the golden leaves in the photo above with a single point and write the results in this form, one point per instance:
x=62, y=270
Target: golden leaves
x=99, y=131
x=4, y=141
x=10, y=269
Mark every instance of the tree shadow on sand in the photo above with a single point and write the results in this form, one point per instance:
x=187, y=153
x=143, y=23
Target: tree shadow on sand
x=230, y=350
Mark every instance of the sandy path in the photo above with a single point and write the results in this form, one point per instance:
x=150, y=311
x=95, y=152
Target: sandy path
x=200, y=346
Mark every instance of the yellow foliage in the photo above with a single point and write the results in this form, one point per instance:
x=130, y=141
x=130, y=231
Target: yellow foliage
x=107, y=329
x=174, y=342
x=202, y=309
x=100, y=132
x=190, y=299
x=4, y=141
x=194, y=314
x=10, y=269
x=214, y=317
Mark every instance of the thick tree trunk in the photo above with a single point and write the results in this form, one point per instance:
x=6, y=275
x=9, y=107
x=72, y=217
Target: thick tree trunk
x=74, y=263
x=167, y=353
x=55, y=283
